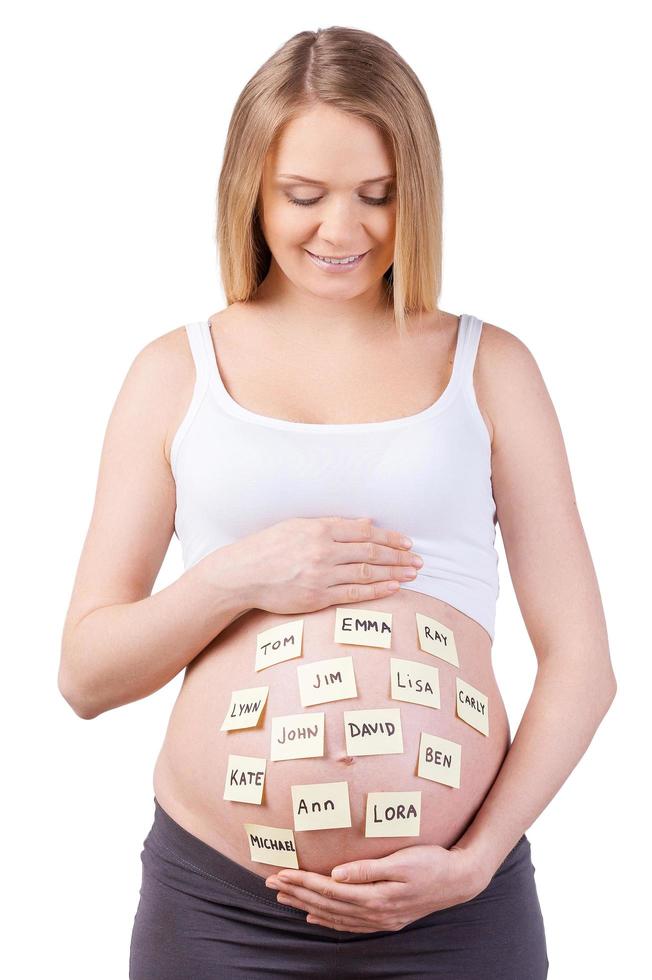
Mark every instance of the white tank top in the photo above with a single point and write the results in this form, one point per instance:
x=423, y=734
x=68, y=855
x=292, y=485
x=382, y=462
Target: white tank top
x=427, y=475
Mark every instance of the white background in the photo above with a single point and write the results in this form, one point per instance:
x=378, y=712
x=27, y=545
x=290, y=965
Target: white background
x=114, y=119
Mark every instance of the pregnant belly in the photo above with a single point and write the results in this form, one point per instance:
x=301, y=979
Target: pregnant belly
x=432, y=743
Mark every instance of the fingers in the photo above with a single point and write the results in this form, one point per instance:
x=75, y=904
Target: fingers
x=364, y=574
x=335, y=904
x=352, y=592
x=325, y=889
x=315, y=904
x=362, y=582
x=375, y=553
x=341, y=922
x=339, y=925
x=363, y=529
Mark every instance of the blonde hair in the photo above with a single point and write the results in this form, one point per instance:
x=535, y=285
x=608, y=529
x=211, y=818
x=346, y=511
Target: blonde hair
x=356, y=72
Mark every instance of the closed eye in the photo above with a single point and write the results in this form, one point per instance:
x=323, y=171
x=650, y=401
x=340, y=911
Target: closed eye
x=313, y=200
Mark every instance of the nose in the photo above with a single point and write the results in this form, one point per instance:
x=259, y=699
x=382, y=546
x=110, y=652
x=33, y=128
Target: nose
x=339, y=223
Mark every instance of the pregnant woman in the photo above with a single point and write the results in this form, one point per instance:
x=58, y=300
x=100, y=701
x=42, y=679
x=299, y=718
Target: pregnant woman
x=338, y=792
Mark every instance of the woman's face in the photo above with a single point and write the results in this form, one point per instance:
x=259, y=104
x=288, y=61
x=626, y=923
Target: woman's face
x=328, y=188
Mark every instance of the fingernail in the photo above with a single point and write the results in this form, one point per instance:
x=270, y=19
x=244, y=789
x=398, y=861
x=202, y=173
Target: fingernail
x=407, y=542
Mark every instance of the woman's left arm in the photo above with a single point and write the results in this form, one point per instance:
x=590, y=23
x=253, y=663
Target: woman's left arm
x=557, y=591
x=558, y=594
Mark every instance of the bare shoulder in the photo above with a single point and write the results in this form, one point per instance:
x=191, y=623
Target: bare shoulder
x=163, y=360
x=507, y=380
x=168, y=354
x=165, y=371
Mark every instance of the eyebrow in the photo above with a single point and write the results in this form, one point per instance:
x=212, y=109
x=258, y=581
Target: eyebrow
x=309, y=180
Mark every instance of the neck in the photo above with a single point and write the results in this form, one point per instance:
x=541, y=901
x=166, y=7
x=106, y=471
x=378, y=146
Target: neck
x=317, y=321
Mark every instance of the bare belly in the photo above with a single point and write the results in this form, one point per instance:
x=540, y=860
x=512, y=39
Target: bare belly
x=190, y=773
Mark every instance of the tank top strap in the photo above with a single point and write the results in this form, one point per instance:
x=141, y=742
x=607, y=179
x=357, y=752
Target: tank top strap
x=471, y=328
x=198, y=341
x=198, y=334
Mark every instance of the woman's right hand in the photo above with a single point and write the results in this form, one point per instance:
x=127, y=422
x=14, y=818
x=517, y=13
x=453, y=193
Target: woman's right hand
x=307, y=563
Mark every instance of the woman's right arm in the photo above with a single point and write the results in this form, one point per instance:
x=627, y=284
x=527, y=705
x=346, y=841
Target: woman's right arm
x=120, y=643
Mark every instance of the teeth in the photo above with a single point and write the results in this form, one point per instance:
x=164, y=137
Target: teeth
x=350, y=258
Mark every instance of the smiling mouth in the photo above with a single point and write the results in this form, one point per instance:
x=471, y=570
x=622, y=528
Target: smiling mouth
x=336, y=260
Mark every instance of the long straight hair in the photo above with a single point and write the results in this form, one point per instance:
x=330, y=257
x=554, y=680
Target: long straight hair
x=356, y=72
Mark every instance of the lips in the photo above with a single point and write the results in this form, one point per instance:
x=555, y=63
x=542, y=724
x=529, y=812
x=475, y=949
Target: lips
x=336, y=266
x=358, y=255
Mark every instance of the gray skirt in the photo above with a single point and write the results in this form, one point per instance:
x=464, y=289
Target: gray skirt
x=202, y=916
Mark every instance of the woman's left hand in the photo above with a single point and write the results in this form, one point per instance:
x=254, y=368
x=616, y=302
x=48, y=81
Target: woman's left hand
x=385, y=893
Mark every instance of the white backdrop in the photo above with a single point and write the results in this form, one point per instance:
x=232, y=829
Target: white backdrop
x=114, y=120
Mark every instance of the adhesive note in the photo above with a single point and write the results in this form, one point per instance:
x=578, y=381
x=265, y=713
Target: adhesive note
x=245, y=708
x=373, y=732
x=297, y=736
x=415, y=682
x=364, y=627
x=472, y=706
x=321, y=806
x=272, y=845
x=326, y=680
x=282, y=642
x=393, y=814
x=437, y=639
x=439, y=760
x=245, y=778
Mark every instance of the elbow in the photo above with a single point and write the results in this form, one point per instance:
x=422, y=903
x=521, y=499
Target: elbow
x=610, y=685
x=81, y=708
x=611, y=690
x=76, y=698
x=607, y=690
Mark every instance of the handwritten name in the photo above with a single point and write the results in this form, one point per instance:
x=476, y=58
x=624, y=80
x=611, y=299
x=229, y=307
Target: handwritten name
x=474, y=703
x=363, y=624
x=371, y=728
x=398, y=812
x=245, y=708
x=271, y=843
x=241, y=778
x=277, y=643
x=292, y=734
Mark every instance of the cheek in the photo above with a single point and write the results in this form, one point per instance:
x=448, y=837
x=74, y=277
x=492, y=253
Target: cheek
x=287, y=227
x=389, y=225
x=385, y=233
x=381, y=227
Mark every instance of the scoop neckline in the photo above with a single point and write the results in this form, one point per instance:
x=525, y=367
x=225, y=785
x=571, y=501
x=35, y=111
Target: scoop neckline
x=239, y=411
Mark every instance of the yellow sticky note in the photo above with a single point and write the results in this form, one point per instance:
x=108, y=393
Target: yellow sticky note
x=437, y=639
x=472, y=706
x=376, y=731
x=272, y=845
x=245, y=778
x=415, y=682
x=297, y=736
x=364, y=627
x=282, y=642
x=440, y=760
x=326, y=680
x=321, y=806
x=245, y=708
x=393, y=814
